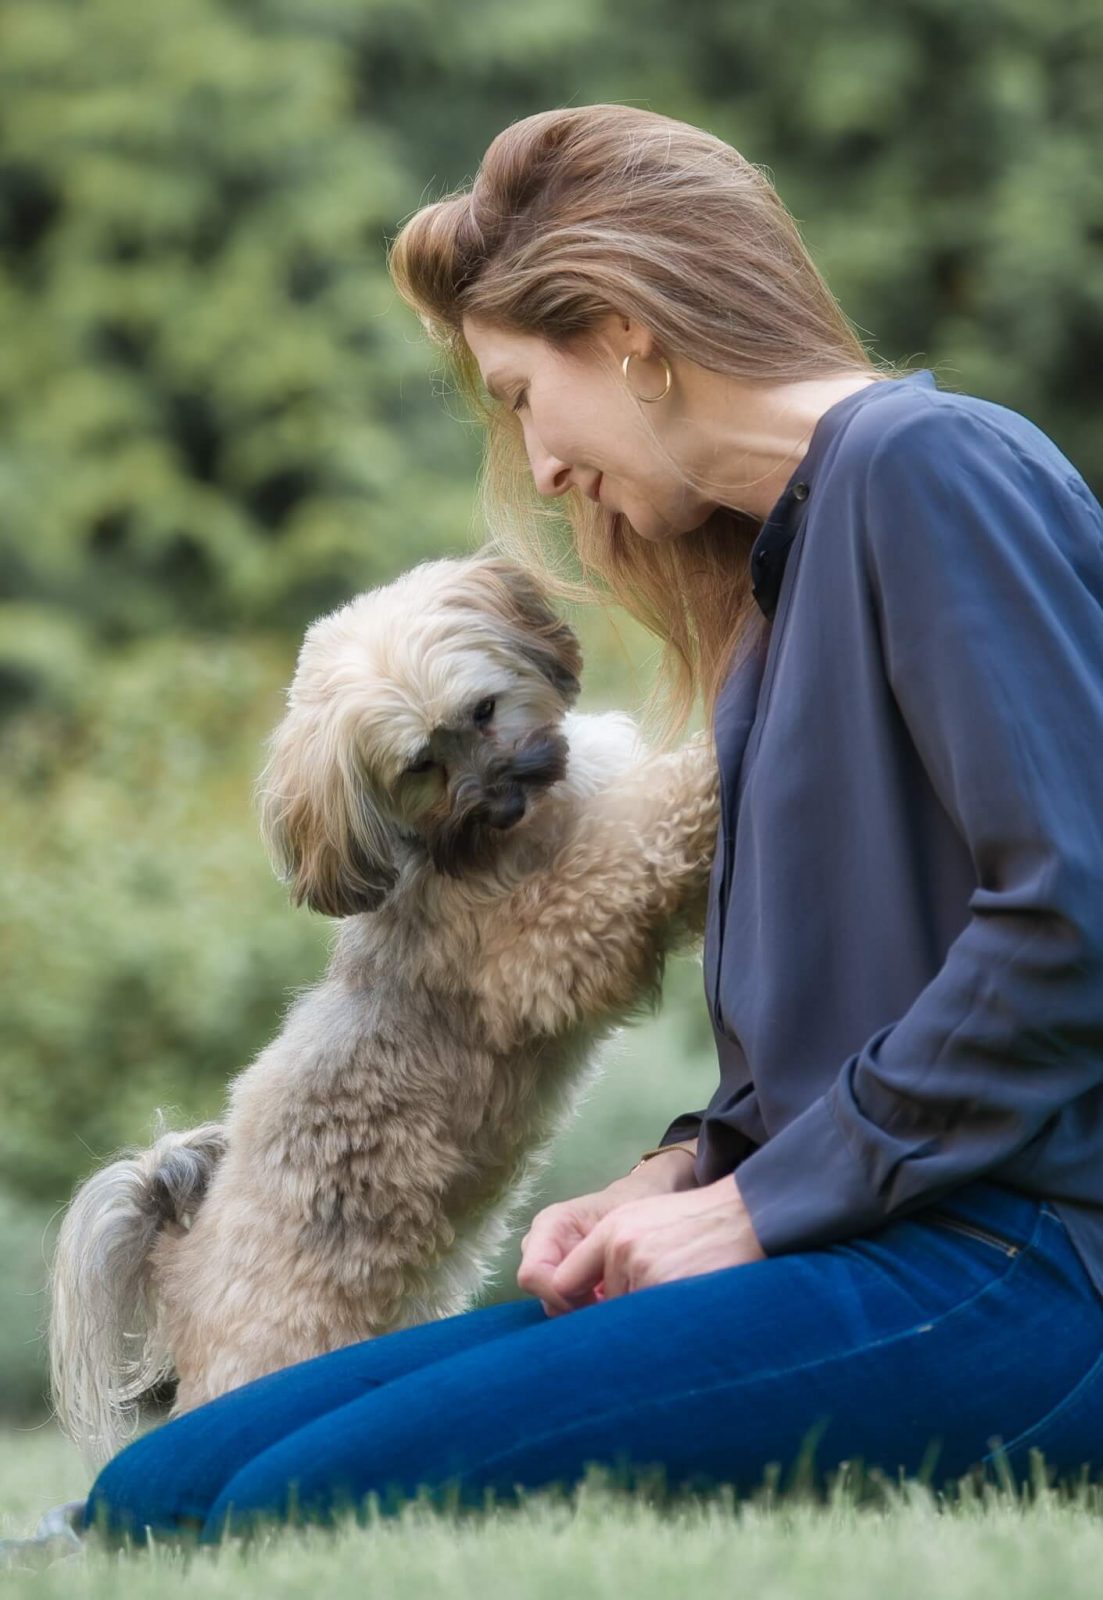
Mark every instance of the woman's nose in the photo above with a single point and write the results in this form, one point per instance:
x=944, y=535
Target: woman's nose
x=549, y=474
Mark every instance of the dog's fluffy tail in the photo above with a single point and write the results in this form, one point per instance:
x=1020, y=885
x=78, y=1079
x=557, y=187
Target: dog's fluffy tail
x=106, y=1345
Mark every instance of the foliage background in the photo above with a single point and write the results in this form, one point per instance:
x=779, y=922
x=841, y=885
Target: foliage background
x=217, y=421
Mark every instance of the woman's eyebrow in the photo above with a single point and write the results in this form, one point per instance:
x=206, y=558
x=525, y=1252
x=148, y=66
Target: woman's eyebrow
x=492, y=386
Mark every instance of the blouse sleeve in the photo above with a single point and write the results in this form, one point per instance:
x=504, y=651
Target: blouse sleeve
x=688, y=1124
x=985, y=570
x=685, y=1126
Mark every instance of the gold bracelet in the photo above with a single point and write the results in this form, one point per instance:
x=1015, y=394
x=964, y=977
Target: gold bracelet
x=661, y=1149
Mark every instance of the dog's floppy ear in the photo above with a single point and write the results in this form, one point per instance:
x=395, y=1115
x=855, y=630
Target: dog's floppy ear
x=326, y=839
x=523, y=603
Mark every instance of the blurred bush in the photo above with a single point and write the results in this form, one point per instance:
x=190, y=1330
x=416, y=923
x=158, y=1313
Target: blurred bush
x=204, y=424
x=25, y=1231
x=148, y=950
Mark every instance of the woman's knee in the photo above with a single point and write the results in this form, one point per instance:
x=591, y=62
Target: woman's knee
x=169, y=1478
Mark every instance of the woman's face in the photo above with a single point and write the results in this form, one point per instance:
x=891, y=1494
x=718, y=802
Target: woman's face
x=582, y=426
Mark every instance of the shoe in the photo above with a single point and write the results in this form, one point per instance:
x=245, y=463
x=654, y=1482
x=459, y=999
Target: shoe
x=59, y=1536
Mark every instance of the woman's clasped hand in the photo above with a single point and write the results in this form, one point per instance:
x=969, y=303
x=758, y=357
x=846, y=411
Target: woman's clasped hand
x=621, y=1239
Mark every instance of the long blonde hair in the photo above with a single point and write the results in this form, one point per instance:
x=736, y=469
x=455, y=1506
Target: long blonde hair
x=581, y=211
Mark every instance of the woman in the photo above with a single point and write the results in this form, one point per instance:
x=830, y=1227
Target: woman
x=884, y=1234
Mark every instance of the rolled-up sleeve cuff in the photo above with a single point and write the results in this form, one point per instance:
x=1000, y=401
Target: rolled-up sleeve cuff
x=687, y=1126
x=805, y=1186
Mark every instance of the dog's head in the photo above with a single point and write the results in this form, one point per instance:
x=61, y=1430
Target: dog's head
x=427, y=711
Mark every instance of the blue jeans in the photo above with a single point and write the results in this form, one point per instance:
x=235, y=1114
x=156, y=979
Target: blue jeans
x=922, y=1347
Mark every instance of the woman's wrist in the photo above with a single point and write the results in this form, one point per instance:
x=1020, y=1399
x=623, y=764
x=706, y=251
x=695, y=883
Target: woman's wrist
x=665, y=1171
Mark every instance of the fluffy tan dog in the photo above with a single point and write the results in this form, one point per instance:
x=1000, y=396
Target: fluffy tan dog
x=509, y=875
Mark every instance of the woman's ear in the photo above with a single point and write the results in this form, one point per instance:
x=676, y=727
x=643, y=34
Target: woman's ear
x=325, y=836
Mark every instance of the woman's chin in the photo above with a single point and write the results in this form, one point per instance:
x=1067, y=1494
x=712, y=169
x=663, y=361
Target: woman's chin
x=699, y=515
x=657, y=528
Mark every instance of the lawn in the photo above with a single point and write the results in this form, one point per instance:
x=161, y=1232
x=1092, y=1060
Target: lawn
x=900, y=1541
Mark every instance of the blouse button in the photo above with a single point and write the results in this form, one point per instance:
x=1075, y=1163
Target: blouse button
x=800, y=491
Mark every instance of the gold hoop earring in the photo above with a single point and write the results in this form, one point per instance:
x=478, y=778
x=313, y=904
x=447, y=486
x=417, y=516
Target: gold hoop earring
x=648, y=399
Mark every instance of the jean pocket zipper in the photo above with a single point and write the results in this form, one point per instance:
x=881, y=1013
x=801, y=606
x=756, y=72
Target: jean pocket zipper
x=944, y=1219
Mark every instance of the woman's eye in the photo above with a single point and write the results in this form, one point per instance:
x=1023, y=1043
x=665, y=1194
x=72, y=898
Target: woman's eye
x=484, y=710
x=520, y=400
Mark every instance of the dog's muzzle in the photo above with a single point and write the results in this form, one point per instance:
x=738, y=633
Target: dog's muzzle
x=535, y=765
x=503, y=810
x=488, y=804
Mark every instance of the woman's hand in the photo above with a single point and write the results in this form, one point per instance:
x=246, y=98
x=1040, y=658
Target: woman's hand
x=558, y=1229
x=554, y=1234
x=658, y=1239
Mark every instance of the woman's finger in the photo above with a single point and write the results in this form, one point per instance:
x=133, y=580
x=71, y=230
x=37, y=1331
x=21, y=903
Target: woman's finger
x=579, y=1273
x=535, y=1275
x=555, y=1228
x=554, y=1232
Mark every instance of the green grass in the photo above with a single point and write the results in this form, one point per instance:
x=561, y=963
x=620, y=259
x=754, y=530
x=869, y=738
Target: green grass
x=889, y=1540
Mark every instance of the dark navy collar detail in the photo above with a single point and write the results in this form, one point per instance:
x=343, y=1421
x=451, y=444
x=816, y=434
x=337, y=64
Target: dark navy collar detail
x=771, y=548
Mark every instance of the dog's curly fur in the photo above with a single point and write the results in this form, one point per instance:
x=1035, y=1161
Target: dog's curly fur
x=509, y=876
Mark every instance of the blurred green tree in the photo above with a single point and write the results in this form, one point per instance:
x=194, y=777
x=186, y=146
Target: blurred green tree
x=211, y=417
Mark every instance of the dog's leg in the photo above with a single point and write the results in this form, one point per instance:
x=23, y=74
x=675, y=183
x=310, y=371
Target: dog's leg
x=585, y=939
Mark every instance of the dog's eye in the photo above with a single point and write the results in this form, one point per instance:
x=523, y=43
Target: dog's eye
x=426, y=764
x=484, y=710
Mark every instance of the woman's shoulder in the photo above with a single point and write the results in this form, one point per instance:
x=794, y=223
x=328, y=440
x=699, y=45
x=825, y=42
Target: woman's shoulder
x=933, y=434
x=947, y=478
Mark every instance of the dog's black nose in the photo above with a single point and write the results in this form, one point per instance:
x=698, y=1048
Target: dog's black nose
x=502, y=811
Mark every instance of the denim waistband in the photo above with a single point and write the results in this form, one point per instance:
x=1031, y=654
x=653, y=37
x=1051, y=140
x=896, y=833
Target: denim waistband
x=1007, y=1212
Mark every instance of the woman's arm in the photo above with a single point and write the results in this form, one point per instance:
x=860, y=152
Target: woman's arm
x=985, y=569
x=666, y=1170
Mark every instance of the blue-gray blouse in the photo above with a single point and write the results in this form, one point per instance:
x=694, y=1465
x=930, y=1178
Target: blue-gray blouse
x=904, y=947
